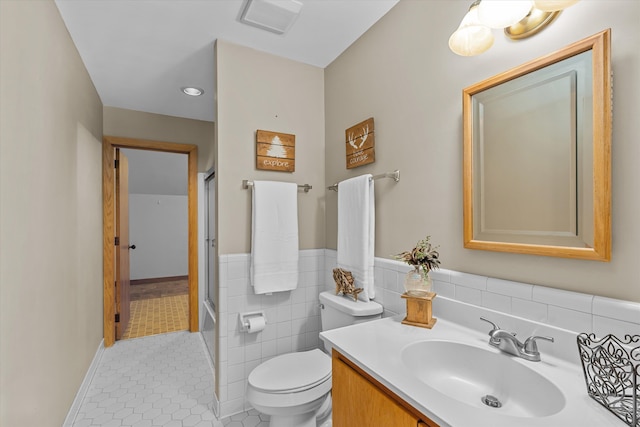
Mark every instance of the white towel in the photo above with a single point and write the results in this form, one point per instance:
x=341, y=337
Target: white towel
x=356, y=231
x=274, y=237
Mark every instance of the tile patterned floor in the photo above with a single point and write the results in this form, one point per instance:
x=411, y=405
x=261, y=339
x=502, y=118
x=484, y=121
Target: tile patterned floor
x=250, y=418
x=158, y=316
x=163, y=380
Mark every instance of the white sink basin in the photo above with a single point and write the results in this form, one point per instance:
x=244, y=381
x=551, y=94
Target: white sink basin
x=467, y=374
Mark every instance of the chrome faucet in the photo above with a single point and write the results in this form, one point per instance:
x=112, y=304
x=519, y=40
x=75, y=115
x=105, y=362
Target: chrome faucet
x=507, y=342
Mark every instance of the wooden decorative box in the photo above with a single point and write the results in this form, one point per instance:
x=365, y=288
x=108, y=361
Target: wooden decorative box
x=419, y=312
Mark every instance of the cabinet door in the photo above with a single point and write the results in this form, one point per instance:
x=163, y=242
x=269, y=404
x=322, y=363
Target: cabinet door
x=359, y=403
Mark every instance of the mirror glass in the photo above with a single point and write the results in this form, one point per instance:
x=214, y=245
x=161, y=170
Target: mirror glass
x=537, y=156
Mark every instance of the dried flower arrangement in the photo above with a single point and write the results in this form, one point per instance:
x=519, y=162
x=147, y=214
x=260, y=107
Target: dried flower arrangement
x=423, y=256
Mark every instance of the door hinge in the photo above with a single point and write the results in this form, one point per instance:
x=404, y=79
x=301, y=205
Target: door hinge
x=116, y=163
x=117, y=317
x=116, y=241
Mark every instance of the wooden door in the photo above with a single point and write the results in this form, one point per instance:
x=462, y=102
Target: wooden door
x=122, y=244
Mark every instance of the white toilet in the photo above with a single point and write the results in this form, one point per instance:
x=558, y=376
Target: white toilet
x=295, y=388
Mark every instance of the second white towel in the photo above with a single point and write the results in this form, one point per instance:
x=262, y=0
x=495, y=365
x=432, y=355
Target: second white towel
x=274, y=237
x=356, y=231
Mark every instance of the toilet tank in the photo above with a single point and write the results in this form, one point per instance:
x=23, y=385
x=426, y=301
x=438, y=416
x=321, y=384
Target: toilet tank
x=338, y=311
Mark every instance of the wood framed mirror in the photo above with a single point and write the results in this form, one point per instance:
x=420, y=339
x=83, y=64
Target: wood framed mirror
x=537, y=156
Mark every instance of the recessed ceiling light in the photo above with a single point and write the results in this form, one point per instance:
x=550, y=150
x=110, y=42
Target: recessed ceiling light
x=192, y=91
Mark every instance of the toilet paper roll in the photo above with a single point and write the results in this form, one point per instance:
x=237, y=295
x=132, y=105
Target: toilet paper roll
x=256, y=324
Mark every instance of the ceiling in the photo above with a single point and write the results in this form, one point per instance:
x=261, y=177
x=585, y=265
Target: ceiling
x=139, y=53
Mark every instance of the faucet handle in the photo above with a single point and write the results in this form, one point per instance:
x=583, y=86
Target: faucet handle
x=495, y=327
x=530, y=345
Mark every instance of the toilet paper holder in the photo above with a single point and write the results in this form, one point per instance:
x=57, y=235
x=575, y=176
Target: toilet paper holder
x=244, y=319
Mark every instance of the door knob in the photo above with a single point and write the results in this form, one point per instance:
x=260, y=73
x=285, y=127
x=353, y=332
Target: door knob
x=132, y=246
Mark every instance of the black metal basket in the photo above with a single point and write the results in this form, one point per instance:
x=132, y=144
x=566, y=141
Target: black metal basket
x=612, y=373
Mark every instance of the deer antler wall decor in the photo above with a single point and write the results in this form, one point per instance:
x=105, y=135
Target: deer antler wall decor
x=361, y=152
x=365, y=135
x=352, y=141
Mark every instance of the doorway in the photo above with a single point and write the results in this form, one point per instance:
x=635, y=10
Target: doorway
x=111, y=297
x=158, y=242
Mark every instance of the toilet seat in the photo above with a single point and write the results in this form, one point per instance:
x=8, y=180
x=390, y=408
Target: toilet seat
x=291, y=373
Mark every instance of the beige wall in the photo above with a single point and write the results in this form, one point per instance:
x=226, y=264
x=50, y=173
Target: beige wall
x=402, y=73
x=158, y=127
x=50, y=216
x=261, y=91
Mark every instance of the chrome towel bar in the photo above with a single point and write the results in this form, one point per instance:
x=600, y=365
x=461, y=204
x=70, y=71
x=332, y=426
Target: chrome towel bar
x=395, y=175
x=246, y=184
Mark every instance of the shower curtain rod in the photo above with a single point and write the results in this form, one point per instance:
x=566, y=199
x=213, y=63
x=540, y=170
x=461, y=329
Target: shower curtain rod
x=395, y=175
x=246, y=184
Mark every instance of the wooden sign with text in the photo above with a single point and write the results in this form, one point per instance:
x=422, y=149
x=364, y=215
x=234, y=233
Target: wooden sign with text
x=360, y=142
x=275, y=151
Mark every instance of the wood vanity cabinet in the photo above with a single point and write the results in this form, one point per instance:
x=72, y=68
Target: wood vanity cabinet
x=361, y=401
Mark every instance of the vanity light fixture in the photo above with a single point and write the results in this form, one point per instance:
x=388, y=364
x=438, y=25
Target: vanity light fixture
x=553, y=5
x=519, y=18
x=472, y=37
x=192, y=91
x=503, y=13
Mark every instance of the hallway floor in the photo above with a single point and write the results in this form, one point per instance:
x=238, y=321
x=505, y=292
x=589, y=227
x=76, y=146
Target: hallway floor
x=158, y=308
x=162, y=380
x=158, y=316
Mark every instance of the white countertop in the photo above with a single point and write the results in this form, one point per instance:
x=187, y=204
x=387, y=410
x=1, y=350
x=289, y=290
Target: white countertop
x=376, y=347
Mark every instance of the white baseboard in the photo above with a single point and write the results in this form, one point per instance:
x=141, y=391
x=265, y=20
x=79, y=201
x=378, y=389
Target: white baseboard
x=84, y=387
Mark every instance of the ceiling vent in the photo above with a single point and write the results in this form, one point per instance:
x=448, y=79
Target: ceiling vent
x=276, y=16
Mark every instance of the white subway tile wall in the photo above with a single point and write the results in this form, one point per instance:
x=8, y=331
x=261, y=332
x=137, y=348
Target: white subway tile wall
x=293, y=321
x=616, y=309
x=574, y=311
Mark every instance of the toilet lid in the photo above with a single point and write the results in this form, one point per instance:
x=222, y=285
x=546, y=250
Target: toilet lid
x=291, y=372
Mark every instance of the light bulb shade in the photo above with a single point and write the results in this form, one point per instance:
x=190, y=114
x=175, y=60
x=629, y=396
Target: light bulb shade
x=503, y=13
x=471, y=38
x=553, y=5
